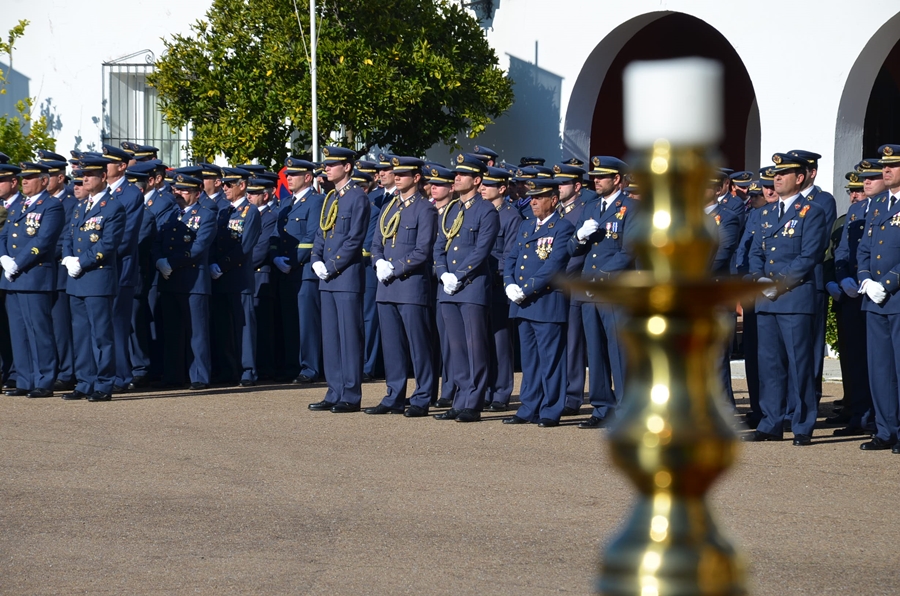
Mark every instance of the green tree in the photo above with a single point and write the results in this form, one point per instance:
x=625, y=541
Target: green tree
x=21, y=134
x=407, y=74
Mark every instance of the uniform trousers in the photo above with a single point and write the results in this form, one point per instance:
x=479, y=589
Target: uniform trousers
x=786, y=373
x=448, y=387
x=142, y=336
x=94, y=338
x=883, y=339
x=576, y=363
x=469, y=345
x=31, y=332
x=725, y=369
x=187, y=323
x=123, y=307
x=543, y=348
x=404, y=335
x=500, y=373
x=62, y=332
x=851, y=327
x=606, y=358
x=373, y=363
x=342, y=345
x=301, y=312
x=819, y=346
x=265, y=336
x=750, y=338
x=7, y=366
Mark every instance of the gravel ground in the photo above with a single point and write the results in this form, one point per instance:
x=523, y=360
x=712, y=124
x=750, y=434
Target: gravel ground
x=246, y=491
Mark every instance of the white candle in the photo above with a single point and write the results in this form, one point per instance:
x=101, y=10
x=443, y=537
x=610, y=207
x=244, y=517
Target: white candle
x=678, y=100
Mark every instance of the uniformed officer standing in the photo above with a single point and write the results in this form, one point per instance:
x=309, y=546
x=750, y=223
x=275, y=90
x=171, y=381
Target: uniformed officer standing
x=540, y=309
x=146, y=348
x=826, y=201
x=234, y=283
x=441, y=180
x=879, y=274
x=337, y=261
x=62, y=316
x=213, y=196
x=290, y=251
x=600, y=236
x=259, y=193
x=373, y=358
x=133, y=200
x=787, y=247
x=181, y=254
x=9, y=195
x=89, y=256
x=728, y=234
x=500, y=375
x=858, y=414
x=467, y=231
x=572, y=200
x=402, y=253
x=28, y=257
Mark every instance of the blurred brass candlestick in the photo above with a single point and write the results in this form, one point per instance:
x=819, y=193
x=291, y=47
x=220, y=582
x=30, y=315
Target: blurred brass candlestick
x=673, y=438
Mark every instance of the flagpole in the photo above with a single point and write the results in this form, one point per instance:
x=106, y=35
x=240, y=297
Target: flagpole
x=315, y=113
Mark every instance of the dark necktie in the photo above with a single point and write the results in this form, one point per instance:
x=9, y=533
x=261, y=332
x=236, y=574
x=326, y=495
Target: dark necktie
x=892, y=202
x=602, y=206
x=780, y=209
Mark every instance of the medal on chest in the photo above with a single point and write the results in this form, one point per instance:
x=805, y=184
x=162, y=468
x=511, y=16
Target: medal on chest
x=544, y=247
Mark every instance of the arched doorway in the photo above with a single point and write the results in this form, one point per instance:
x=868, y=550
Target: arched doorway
x=867, y=114
x=594, y=124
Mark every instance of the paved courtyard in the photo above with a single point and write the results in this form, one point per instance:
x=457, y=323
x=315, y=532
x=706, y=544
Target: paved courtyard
x=233, y=491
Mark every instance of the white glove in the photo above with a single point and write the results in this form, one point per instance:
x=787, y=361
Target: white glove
x=9, y=265
x=215, y=271
x=768, y=292
x=8, y=275
x=451, y=283
x=282, y=264
x=319, y=268
x=384, y=270
x=72, y=265
x=515, y=293
x=588, y=228
x=874, y=290
x=833, y=289
x=164, y=268
x=850, y=288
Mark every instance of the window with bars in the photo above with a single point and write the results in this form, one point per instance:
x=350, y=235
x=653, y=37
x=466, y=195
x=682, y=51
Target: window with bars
x=131, y=111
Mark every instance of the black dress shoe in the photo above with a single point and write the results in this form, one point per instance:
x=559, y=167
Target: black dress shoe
x=247, y=383
x=74, y=395
x=17, y=392
x=877, y=444
x=382, y=409
x=850, y=431
x=567, y=411
x=547, y=423
x=100, y=396
x=469, y=415
x=198, y=386
x=344, y=407
x=9, y=385
x=321, y=406
x=40, y=393
x=802, y=440
x=302, y=380
x=140, y=381
x=593, y=422
x=497, y=407
x=515, y=420
x=444, y=403
x=896, y=448
x=119, y=389
x=59, y=385
x=416, y=412
x=450, y=414
x=758, y=436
